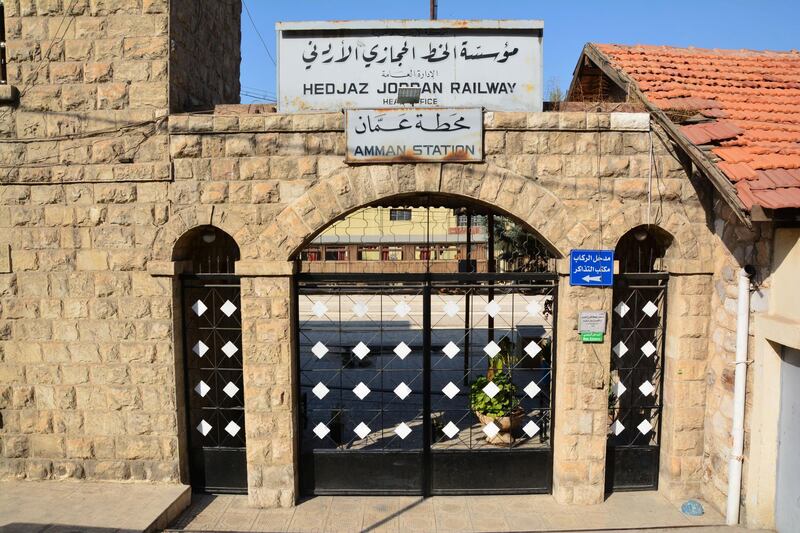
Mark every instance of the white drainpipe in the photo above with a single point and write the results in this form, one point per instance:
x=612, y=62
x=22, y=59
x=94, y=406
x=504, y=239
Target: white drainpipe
x=739, y=388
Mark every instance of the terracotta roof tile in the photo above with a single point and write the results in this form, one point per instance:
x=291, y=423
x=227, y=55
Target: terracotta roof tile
x=737, y=171
x=748, y=103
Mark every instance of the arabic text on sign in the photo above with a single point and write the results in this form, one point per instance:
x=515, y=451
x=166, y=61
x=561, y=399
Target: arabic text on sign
x=407, y=121
x=377, y=54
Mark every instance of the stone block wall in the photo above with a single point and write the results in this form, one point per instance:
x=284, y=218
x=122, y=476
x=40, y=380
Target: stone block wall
x=736, y=246
x=581, y=399
x=206, y=53
x=93, y=82
x=686, y=350
x=88, y=385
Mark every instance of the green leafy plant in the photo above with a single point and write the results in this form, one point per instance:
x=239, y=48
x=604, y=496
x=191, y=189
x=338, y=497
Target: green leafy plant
x=503, y=402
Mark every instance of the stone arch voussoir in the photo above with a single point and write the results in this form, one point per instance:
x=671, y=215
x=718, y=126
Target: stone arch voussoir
x=687, y=243
x=202, y=215
x=344, y=190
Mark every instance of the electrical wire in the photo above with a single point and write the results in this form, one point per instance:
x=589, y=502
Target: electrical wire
x=253, y=22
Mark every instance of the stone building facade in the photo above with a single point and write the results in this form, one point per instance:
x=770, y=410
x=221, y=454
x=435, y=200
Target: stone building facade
x=105, y=163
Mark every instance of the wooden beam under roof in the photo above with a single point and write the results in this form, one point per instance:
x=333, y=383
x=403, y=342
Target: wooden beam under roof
x=698, y=157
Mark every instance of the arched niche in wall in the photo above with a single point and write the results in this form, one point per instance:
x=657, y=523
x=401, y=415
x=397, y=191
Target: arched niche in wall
x=643, y=250
x=206, y=250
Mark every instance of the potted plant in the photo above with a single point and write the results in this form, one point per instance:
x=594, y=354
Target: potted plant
x=503, y=408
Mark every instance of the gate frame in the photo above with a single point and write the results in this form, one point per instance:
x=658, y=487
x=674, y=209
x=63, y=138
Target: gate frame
x=428, y=281
x=181, y=279
x=663, y=315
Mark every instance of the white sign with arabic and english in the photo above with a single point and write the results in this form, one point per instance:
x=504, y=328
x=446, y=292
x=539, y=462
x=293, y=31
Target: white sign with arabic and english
x=414, y=135
x=329, y=66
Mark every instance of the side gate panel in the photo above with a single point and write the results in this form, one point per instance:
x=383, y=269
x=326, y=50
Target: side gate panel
x=214, y=386
x=636, y=392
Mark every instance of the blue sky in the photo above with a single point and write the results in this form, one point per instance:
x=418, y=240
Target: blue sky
x=763, y=25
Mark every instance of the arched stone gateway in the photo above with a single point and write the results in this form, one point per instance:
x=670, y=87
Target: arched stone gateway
x=426, y=351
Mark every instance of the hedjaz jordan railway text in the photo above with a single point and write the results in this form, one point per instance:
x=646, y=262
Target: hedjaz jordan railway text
x=430, y=88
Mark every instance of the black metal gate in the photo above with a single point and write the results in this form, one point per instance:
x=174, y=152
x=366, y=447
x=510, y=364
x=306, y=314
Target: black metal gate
x=213, y=383
x=635, y=395
x=426, y=383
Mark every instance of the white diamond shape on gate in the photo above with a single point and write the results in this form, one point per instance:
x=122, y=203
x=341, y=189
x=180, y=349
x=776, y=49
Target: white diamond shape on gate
x=491, y=389
x=320, y=390
x=648, y=349
x=228, y=308
x=402, y=350
x=319, y=309
x=491, y=429
x=620, y=349
x=362, y=430
x=200, y=348
x=530, y=428
x=229, y=349
x=402, y=390
x=450, y=390
x=204, y=427
x=451, y=430
x=532, y=389
x=650, y=308
x=532, y=349
x=451, y=349
x=319, y=350
x=534, y=308
x=644, y=427
x=320, y=430
x=617, y=427
x=647, y=388
x=199, y=308
x=361, y=350
x=202, y=389
x=491, y=349
x=230, y=389
x=492, y=308
x=622, y=309
x=402, y=430
x=232, y=428
x=451, y=308
x=361, y=390
x=402, y=309
x=360, y=309
x=618, y=388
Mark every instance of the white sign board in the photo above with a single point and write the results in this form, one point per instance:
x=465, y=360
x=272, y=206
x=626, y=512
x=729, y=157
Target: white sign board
x=329, y=66
x=414, y=135
x=592, y=322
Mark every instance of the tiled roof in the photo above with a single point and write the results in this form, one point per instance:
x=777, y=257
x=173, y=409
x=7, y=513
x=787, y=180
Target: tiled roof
x=745, y=104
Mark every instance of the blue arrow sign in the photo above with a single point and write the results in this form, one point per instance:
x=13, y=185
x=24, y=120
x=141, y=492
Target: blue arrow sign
x=591, y=268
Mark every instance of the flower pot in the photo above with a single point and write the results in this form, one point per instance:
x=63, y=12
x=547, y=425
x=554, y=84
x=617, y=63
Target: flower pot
x=506, y=424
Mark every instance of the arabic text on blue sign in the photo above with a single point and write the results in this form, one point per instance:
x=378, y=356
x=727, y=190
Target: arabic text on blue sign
x=593, y=268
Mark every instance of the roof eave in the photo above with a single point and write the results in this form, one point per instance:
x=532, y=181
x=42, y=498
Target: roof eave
x=721, y=182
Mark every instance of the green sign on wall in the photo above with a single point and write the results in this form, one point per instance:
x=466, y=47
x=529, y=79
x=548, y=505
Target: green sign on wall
x=595, y=336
